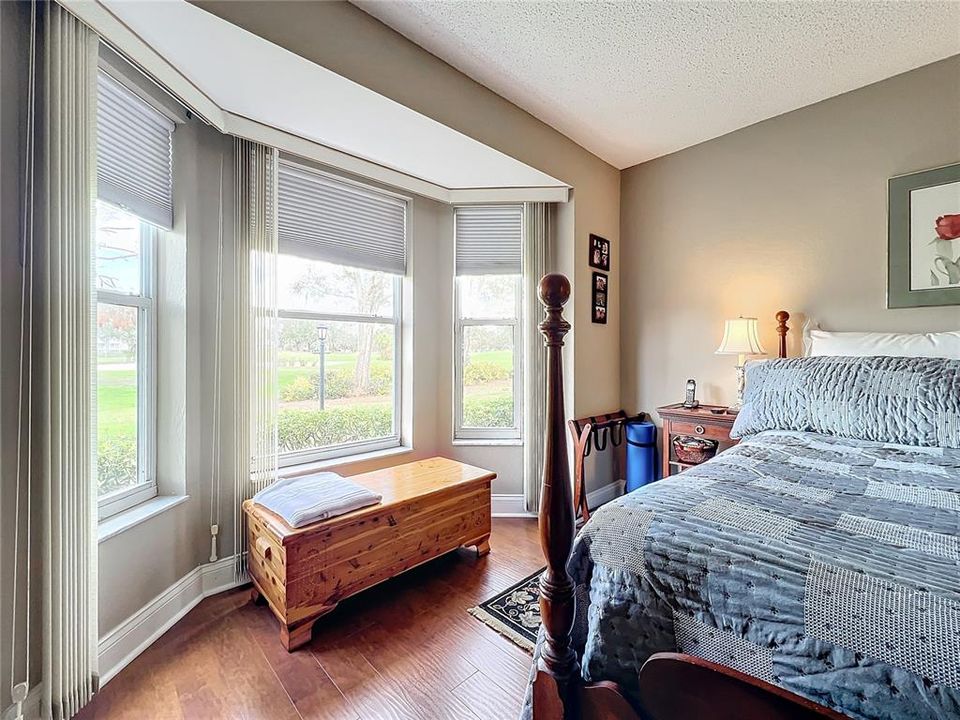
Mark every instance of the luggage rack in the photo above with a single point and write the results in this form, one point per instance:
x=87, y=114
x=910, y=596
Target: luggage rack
x=597, y=432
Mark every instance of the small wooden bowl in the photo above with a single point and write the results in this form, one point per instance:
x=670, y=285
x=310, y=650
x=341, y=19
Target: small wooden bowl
x=694, y=450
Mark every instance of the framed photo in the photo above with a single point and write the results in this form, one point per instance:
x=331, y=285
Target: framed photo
x=923, y=233
x=600, y=289
x=599, y=253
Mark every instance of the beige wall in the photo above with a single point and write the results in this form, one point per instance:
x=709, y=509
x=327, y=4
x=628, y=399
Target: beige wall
x=346, y=40
x=789, y=213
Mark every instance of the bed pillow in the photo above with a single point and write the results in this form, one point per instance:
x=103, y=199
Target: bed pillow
x=908, y=401
x=860, y=344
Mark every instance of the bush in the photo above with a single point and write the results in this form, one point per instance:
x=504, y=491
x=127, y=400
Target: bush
x=496, y=411
x=338, y=383
x=300, y=429
x=478, y=372
x=302, y=387
x=381, y=380
x=116, y=462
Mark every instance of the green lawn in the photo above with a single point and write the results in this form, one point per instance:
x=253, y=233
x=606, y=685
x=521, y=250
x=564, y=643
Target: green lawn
x=117, y=398
x=116, y=402
x=116, y=428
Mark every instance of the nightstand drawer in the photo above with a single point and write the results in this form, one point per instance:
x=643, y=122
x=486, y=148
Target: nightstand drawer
x=712, y=432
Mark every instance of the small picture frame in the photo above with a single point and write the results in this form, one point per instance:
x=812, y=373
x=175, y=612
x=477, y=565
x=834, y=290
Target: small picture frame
x=599, y=253
x=600, y=288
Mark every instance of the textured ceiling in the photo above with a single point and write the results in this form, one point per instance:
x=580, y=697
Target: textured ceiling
x=633, y=81
x=247, y=78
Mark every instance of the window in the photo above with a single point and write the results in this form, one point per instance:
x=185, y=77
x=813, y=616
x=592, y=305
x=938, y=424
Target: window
x=488, y=377
x=342, y=258
x=135, y=200
x=126, y=322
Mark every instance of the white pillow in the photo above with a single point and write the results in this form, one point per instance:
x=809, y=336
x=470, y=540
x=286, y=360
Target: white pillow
x=866, y=344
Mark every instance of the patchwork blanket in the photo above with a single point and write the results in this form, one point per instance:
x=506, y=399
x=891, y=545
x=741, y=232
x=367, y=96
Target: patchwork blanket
x=828, y=566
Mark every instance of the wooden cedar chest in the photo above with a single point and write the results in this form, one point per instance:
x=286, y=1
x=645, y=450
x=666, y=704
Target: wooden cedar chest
x=429, y=508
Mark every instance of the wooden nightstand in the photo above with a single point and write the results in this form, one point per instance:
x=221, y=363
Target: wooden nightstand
x=699, y=422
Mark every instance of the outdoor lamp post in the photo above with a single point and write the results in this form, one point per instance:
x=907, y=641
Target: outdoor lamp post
x=322, y=337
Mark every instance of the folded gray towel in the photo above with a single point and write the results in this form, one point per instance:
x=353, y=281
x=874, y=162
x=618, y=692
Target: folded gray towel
x=312, y=498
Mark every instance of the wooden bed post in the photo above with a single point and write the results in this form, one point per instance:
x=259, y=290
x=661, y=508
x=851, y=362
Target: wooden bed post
x=558, y=673
x=782, y=331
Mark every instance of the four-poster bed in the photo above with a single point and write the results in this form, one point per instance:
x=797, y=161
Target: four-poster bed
x=671, y=685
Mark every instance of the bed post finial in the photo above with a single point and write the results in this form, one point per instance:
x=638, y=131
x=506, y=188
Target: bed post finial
x=782, y=331
x=558, y=664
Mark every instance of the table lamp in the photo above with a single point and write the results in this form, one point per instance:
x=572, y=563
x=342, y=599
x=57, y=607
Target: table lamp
x=740, y=338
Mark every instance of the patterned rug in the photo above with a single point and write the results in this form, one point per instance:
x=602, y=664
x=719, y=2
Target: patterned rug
x=515, y=612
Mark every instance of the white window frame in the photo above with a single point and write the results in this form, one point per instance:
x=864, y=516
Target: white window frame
x=299, y=457
x=145, y=304
x=475, y=435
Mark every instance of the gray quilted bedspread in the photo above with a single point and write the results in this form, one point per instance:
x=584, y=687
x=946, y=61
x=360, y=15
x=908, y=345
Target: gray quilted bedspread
x=915, y=401
x=828, y=566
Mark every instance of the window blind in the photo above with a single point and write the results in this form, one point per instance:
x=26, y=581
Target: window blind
x=134, y=153
x=489, y=239
x=321, y=218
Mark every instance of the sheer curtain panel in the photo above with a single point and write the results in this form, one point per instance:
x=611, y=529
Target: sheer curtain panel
x=536, y=263
x=56, y=459
x=255, y=298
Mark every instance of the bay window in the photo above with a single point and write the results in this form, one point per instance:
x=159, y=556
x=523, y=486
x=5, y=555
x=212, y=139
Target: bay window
x=488, y=338
x=339, y=273
x=134, y=202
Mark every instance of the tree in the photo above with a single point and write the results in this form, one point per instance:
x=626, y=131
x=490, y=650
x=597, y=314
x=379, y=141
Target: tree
x=299, y=336
x=117, y=329
x=365, y=293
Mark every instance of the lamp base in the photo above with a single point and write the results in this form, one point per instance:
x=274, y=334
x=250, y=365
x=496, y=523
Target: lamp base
x=741, y=383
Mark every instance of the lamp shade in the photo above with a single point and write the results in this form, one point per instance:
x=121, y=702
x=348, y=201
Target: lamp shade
x=740, y=337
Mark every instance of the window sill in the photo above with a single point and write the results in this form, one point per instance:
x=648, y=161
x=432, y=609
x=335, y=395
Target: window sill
x=493, y=442
x=123, y=521
x=321, y=465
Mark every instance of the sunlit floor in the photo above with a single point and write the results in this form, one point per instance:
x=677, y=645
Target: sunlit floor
x=404, y=649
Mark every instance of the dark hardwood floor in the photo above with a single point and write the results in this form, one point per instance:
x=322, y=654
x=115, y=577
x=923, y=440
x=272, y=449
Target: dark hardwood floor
x=404, y=649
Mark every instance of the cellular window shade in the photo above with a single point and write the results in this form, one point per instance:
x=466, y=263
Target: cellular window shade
x=321, y=218
x=134, y=154
x=489, y=240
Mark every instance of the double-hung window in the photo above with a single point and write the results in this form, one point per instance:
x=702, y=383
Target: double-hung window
x=134, y=202
x=342, y=259
x=487, y=376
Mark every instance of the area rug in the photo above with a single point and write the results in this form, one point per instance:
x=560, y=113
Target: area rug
x=515, y=612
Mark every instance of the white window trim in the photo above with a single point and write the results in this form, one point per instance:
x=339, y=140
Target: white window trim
x=495, y=436
x=300, y=457
x=145, y=303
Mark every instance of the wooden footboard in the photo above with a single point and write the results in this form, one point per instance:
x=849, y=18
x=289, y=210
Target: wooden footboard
x=671, y=685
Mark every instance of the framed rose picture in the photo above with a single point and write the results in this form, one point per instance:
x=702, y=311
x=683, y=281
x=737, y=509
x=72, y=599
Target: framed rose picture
x=599, y=253
x=924, y=238
x=600, y=289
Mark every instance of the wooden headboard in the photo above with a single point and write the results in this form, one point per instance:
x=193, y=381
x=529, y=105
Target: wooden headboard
x=782, y=331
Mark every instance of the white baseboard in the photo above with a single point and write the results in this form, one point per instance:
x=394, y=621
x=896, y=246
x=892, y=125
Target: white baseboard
x=119, y=647
x=605, y=494
x=513, y=505
x=508, y=506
